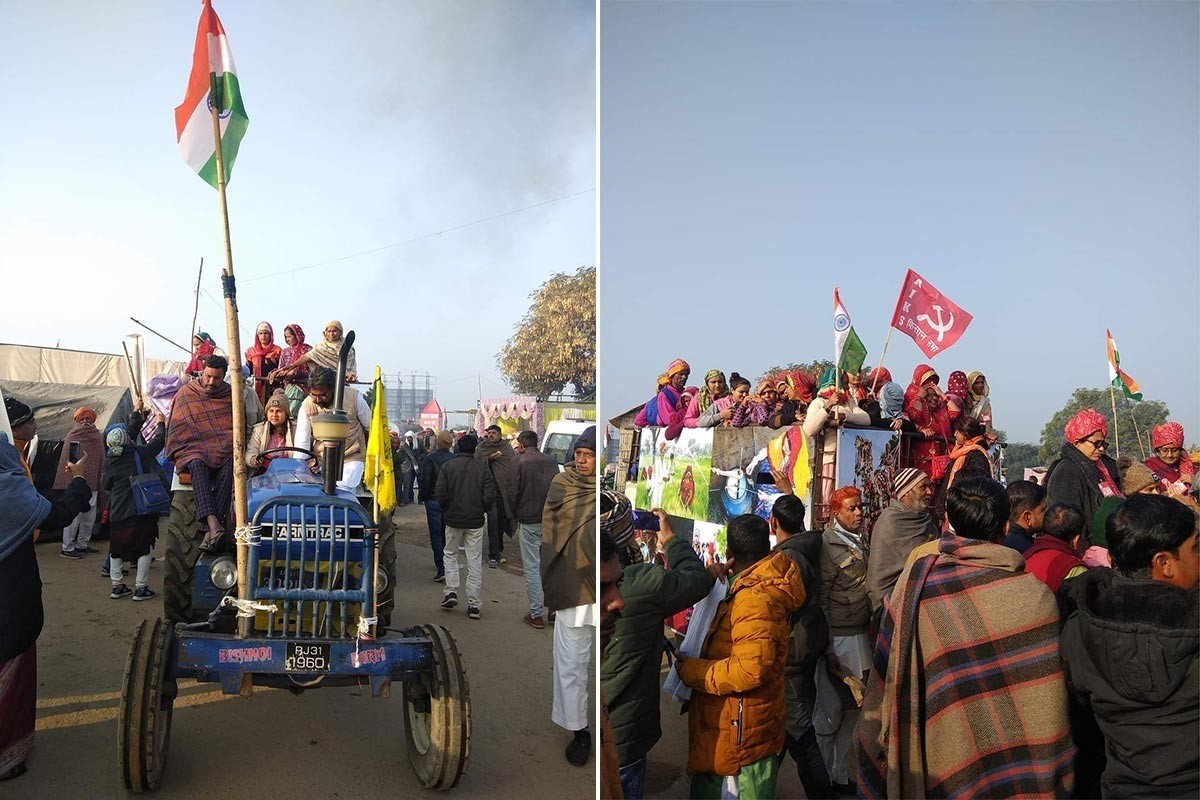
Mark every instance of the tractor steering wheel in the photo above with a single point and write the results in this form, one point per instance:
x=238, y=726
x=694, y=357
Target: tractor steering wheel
x=312, y=457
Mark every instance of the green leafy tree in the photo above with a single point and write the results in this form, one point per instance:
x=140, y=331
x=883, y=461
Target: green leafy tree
x=1017, y=457
x=1147, y=413
x=555, y=343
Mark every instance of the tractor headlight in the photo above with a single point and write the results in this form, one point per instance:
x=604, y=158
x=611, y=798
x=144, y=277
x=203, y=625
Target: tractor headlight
x=381, y=580
x=223, y=573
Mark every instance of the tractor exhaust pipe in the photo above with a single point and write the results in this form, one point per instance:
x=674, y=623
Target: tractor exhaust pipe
x=333, y=427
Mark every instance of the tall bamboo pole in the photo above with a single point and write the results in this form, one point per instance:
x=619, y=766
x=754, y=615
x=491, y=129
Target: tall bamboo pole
x=1137, y=432
x=240, y=502
x=875, y=377
x=1116, y=434
x=196, y=308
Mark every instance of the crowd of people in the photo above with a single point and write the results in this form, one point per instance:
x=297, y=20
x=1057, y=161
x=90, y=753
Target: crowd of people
x=795, y=397
x=1030, y=641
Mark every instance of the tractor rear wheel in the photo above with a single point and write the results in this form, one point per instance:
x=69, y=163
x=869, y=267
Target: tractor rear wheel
x=147, y=701
x=437, y=716
x=387, y=560
x=182, y=552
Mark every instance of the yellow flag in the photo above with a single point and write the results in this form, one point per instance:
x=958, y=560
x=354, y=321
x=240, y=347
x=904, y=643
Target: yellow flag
x=380, y=475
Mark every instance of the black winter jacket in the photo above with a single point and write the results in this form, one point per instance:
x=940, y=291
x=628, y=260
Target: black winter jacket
x=117, y=471
x=428, y=477
x=1129, y=648
x=1074, y=478
x=810, y=629
x=465, y=491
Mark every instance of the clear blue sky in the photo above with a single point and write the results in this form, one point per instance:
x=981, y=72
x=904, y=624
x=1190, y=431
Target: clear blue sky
x=1037, y=162
x=370, y=123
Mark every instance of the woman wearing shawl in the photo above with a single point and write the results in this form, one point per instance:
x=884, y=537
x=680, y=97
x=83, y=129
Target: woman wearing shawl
x=22, y=512
x=263, y=359
x=295, y=384
x=131, y=535
x=569, y=586
x=1175, y=471
x=956, y=389
x=77, y=535
x=927, y=406
x=1083, y=474
x=979, y=404
x=732, y=410
x=714, y=388
x=203, y=346
x=276, y=431
x=831, y=409
x=665, y=407
x=325, y=353
x=968, y=457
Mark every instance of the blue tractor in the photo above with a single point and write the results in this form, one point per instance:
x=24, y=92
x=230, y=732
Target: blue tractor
x=305, y=614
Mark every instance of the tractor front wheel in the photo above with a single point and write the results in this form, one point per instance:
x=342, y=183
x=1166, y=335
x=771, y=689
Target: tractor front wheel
x=147, y=701
x=182, y=552
x=437, y=716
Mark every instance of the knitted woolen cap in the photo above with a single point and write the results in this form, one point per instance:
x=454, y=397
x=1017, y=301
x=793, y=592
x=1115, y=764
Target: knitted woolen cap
x=1136, y=478
x=906, y=479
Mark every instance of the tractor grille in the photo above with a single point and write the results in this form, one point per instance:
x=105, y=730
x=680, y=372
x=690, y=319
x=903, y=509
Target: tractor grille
x=312, y=563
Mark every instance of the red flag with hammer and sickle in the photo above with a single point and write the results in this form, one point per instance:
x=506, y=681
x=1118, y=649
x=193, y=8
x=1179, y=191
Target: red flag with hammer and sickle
x=932, y=320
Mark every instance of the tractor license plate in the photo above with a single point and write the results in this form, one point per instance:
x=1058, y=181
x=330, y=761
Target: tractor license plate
x=307, y=657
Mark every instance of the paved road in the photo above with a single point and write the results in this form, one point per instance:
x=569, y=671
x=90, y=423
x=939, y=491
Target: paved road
x=324, y=743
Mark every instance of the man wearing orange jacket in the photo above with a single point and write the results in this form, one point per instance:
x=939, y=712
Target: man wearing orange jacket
x=737, y=712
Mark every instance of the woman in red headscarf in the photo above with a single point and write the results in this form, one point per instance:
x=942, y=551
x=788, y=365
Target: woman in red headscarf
x=1083, y=475
x=1170, y=463
x=295, y=383
x=203, y=346
x=263, y=359
x=927, y=407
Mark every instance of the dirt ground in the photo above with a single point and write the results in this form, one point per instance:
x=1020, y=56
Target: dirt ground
x=323, y=743
x=666, y=771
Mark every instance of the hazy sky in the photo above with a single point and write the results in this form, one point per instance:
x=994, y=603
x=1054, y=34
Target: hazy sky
x=371, y=123
x=1036, y=162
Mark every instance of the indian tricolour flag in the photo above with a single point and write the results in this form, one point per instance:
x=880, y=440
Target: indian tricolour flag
x=848, y=350
x=1119, y=378
x=213, y=81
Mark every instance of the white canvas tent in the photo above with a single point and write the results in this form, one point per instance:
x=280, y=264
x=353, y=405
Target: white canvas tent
x=20, y=362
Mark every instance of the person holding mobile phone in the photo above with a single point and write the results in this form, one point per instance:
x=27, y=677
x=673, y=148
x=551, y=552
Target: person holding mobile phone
x=630, y=665
x=84, y=446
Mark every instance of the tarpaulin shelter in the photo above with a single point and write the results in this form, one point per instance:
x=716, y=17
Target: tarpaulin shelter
x=19, y=362
x=53, y=404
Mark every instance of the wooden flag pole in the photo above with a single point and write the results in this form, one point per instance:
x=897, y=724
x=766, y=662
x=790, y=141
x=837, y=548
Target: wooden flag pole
x=875, y=376
x=196, y=308
x=1137, y=432
x=240, y=500
x=1116, y=434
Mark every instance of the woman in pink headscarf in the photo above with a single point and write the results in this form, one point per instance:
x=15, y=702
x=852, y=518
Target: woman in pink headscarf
x=263, y=360
x=1170, y=463
x=666, y=408
x=1083, y=475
